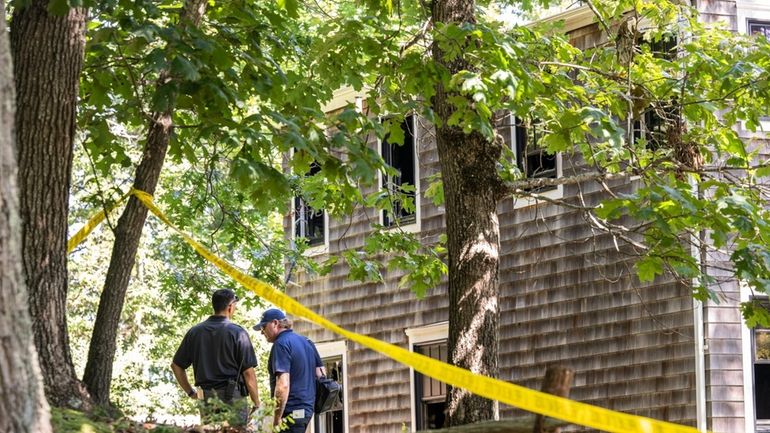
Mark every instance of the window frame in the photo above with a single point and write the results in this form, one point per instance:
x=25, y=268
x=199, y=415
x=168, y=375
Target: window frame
x=764, y=422
x=335, y=349
x=315, y=250
x=747, y=351
x=412, y=227
x=555, y=193
x=418, y=336
x=752, y=11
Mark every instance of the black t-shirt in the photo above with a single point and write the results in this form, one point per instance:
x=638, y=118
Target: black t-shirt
x=216, y=348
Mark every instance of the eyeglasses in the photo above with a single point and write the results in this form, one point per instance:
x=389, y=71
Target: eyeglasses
x=266, y=325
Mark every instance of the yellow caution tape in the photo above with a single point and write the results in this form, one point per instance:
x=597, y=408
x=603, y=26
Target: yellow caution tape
x=94, y=221
x=533, y=401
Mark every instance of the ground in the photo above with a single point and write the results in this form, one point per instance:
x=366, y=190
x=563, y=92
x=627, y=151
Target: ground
x=71, y=421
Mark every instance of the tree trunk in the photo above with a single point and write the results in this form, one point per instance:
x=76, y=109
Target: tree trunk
x=101, y=352
x=23, y=408
x=48, y=56
x=472, y=189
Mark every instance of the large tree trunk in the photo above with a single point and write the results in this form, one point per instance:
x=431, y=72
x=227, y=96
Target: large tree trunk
x=23, y=408
x=472, y=189
x=101, y=352
x=48, y=56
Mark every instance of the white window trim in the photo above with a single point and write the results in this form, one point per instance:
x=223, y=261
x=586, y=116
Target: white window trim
x=316, y=250
x=416, y=225
x=752, y=10
x=557, y=193
x=423, y=334
x=747, y=350
x=329, y=350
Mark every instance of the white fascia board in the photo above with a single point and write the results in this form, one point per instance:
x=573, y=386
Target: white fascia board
x=573, y=19
x=344, y=96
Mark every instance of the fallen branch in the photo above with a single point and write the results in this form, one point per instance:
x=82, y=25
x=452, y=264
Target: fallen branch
x=522, y=424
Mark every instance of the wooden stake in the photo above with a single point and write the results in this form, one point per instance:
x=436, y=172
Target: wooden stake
x=557, y=381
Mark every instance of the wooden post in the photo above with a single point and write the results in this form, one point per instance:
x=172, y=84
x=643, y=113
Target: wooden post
x=557, y=381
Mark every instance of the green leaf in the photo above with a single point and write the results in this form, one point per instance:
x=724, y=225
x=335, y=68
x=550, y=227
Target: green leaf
x=165, y=97
x=395, y=133
x=763, y=171
x=58, y=7
x=610, y=209
x=183, y=68
x=291, y=7
x=755, y=314
x=435, y=192
x=648, y=267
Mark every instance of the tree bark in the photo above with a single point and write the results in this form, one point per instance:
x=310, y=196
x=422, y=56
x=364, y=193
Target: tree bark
x=23, y=407
x=101, y=352
x=472, y=189
x=48, y=57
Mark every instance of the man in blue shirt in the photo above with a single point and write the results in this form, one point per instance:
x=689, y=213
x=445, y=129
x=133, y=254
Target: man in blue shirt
x=222, y=358
x=293, y=366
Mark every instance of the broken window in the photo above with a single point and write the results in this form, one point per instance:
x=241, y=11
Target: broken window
x=403, y=159
x=309, y=223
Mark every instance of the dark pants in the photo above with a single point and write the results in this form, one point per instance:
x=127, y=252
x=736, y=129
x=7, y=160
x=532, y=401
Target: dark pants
x=213, y=413
x=296, y=426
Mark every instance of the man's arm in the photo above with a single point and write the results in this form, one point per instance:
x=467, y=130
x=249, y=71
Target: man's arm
x=281, y=396
x=250, y=379
x=319, y=364
x=181, y=377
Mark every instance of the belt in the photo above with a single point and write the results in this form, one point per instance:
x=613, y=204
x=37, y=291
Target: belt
x=214, y=389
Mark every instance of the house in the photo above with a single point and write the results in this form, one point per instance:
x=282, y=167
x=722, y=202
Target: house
x=567, y=297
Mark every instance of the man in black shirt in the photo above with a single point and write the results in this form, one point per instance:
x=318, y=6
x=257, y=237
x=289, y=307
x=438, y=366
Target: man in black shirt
x=222, y=357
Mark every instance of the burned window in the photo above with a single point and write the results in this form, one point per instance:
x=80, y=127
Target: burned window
x=333, y=420
x=402, y=159
x=309, y=223
x=531, y=158
x=430, y=394
x=655, y=121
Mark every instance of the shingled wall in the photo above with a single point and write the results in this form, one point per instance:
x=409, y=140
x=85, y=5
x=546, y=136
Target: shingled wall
x=568, y=296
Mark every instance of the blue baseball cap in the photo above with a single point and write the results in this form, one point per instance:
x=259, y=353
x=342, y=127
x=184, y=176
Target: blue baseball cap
x=268, y=316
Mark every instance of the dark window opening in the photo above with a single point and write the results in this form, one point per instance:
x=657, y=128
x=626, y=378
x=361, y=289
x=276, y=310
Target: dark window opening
x=761, y=359
x=332, y=421
x=760, y=28
x=309, y=222
x=655, y=121
x=654, y=124
x=430, y=394
x=531, y=158
x=401, y=158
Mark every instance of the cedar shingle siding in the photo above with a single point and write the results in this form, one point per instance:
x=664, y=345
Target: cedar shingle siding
x=567, y=296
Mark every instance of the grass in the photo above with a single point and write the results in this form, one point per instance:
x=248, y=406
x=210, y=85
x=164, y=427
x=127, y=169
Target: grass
x=72, y=421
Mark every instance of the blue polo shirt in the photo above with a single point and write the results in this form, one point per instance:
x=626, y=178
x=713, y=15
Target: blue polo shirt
x=294, y=354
